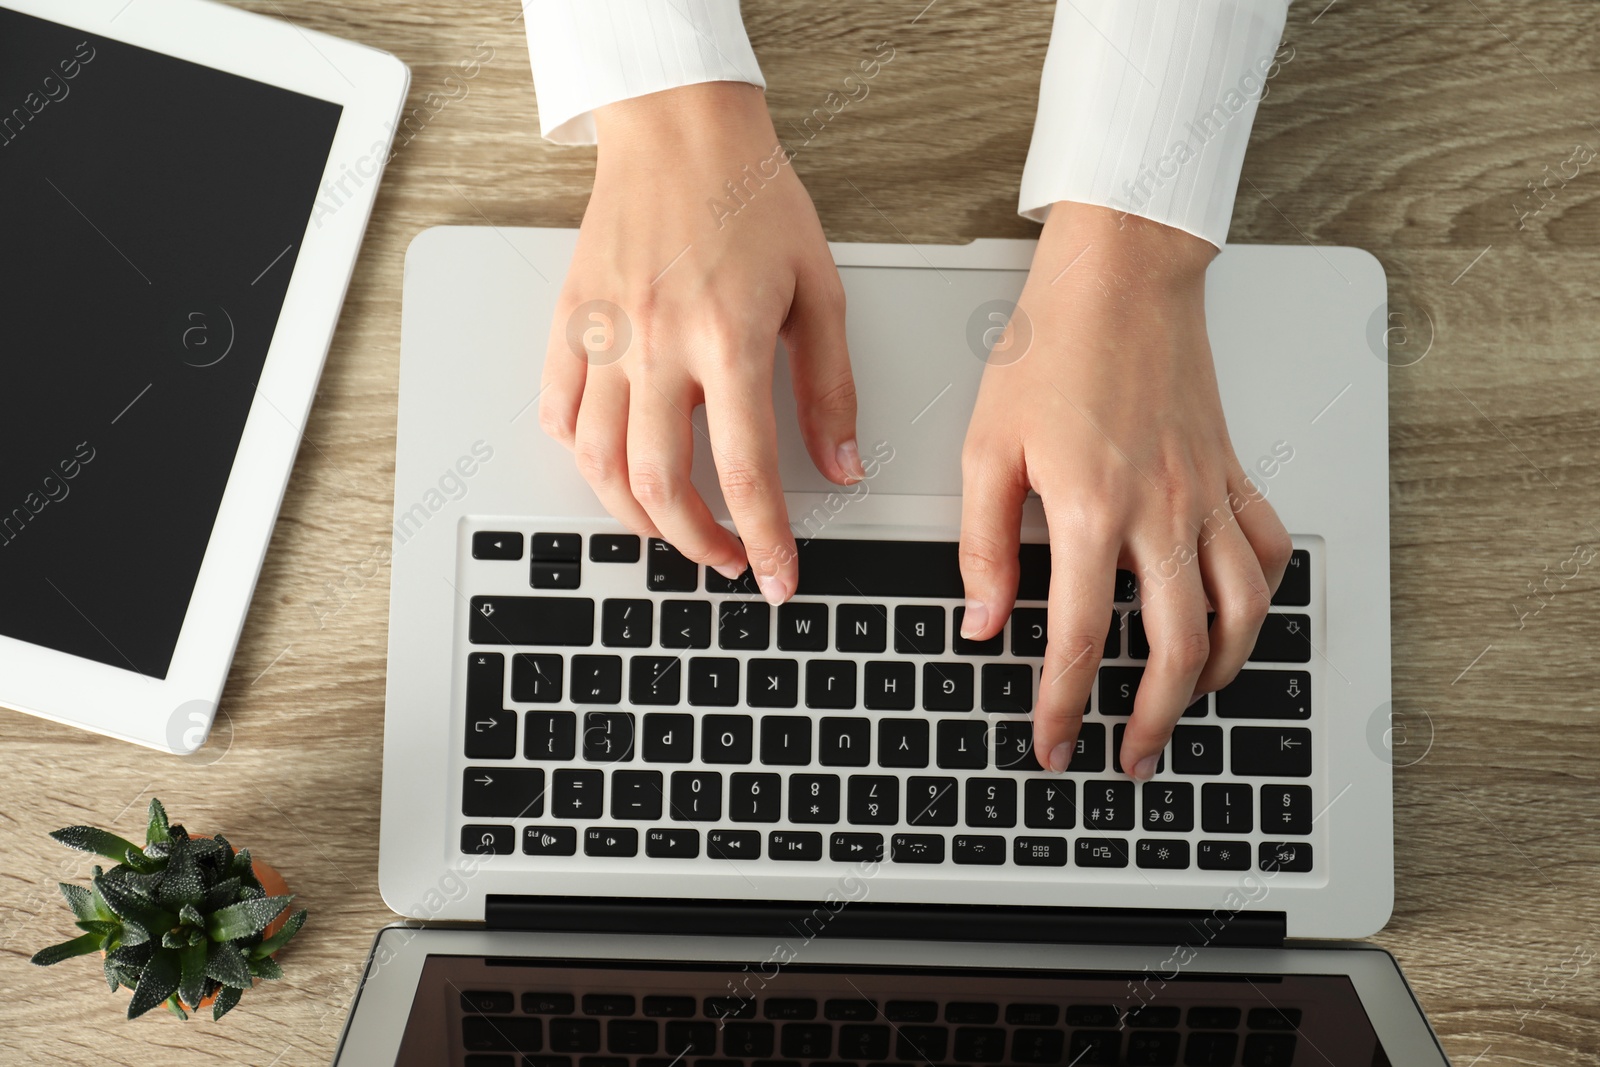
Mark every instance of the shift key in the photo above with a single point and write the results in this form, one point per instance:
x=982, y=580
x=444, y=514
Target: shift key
x=531, y=620
x=1271, y=752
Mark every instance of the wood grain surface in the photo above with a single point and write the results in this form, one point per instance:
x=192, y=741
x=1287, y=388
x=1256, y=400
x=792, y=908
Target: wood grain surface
x=1411, y=129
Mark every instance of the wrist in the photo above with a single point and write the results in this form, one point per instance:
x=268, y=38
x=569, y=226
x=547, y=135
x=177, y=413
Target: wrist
x=688, y=118
x=1121, y=250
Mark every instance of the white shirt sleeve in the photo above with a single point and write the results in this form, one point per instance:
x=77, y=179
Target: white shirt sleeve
x=586, y=53
x=1145, y=106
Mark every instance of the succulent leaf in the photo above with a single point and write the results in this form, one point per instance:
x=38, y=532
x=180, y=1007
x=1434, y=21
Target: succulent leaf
x=106, y=929
x=81, y=901
x=246, y=918
x=220, y=895
x=132, y=934
x=132, y=957
x=157, y=830
x=226, y=999
x=174, y=939
x=182, y=886
x=226, y=964
x=157, y=982
x=192, y=980
x=134, y=906
x=78, y=946
x=189, y=915
x=113, y=979
x=267, y=969
x=100, y=842
x=281, y=938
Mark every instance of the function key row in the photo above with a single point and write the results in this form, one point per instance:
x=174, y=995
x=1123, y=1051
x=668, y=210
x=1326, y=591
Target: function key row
x=672, y=842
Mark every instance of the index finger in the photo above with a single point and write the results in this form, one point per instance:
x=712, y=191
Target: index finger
x=1083, y=567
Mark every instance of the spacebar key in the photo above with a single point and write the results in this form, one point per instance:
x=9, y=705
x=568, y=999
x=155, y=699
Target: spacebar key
x=531, y=620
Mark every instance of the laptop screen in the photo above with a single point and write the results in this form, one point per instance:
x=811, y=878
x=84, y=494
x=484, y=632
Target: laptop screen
x=479, y=1011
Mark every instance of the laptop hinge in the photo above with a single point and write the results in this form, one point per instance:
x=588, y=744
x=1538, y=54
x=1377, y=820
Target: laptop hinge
x=868, y=919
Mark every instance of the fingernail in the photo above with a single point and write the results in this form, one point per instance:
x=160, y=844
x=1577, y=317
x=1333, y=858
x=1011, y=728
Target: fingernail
x=849, y=458
x=730, y=571
x=1060, y=756
x=773, y=588
x=973, y=618
x=1145, y=769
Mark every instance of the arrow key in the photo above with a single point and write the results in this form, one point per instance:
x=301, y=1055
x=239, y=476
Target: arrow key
x=614, y=548
x=669, y=842
x=502, y=792
x=492, y=544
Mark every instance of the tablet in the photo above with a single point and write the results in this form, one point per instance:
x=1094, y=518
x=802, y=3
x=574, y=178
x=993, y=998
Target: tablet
x=187, y=186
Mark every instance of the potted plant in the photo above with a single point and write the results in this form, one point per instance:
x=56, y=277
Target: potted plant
x=184, y=920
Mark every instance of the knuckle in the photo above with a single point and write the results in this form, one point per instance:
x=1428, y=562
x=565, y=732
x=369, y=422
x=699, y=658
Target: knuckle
x=837, y=395
x=1075, y=653
x=597, y=463
x=981, y=554
x=744, y=484
x=1187, y=651
x=654, y=486
x=557, y=420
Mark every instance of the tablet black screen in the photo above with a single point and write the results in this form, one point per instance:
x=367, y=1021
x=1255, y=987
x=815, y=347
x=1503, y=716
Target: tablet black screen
x=154, y=212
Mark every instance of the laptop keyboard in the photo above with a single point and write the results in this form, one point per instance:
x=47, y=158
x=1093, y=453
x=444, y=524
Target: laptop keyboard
x=621, y=702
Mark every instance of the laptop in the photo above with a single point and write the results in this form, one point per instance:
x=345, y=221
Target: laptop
x=633, y=815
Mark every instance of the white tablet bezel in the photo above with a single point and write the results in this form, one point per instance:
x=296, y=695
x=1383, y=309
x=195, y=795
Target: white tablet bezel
x=174, y=714
x=382, y=1004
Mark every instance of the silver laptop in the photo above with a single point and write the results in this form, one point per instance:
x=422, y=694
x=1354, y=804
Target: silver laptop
x=642, y=788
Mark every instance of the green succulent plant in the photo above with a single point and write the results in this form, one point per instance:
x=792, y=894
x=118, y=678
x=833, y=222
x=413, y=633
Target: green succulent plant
x=178, y=920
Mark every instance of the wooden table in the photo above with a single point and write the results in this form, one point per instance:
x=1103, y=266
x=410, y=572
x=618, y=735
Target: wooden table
x=1410, y=129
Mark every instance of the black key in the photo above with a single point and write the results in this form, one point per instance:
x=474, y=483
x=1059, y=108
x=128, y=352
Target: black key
x=1118, y=686
x=1223, y=855
x=744, y=585
x=480, y=840
x=992, y=646
x=549, y=736
x=809, y=1041
x=1156, y=1049
x=911, y=1011
x=803, y=627
x=720, y=1008
x=1013, y=745
x=1007, y=687
x=921, y=1044
x=801, y=1008
x=862, y=1041
x=978, y=849
x=814, y=798
x=685, y=624
x=991, y=801
x=555, y=547
x=1102, y=851
x=874, y=800
x=831, y=683
x=1089, y=751
x=608, y=736
x=849, y=848
x=1138, y=642
x=1162, y=855
x=611, y=841
x=549, y=841
x=625, y=623
x=536, y=678
x=1127, y=587
x=947, y=686
x=1091, y=1048
x=890, y=686
x=844, y=742
x=1257, y=694
x=963, y=744
x=1292, y=856
x=1268, y=1050
x=1207, y=1048
x=1205, y=1017
x=479, y=1034
x=744, y=624
x=919, y=630
x=668, y=570
x=727, y=739
x=1037, y=1046
x=491, y=731
x=1108, y=806
x=577, y=794
x=554, y=575
x=1286, y=809
x=614, y=548
x=1028, y=632
x=755, y=797
x=1048, y=804
x=862, y=628
x=772, y=683
x=733, y=844
x=1039, y=851
x=547, y=1003
x=696, y=796
x=748, y=1040
x=654, y=679
x=1032, y=1014
x=1225, y=808
x=1271, y=751
x=931, y=801
x=574, y=1035
x=632, y=1037
x=1283, y=639
x=1169, y=806
x=1149, y=1016
x=713, y=681
x=1116, y=750
x=502, y=792
x=786, y=740
x=980, y=1044
x=794, y=845
x=492, y=544
x=665, y=1007
x=917, y=848
x=596, y=680
x=488, y=1001
x=902, y=742
x=1273, y=1019
x=1197, y=749
x=1295, y=589
x=1113, y=646
x=636, y=795
x=850, y=1010
x=608, y=1004
x=531, y=620
x=668, y=737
